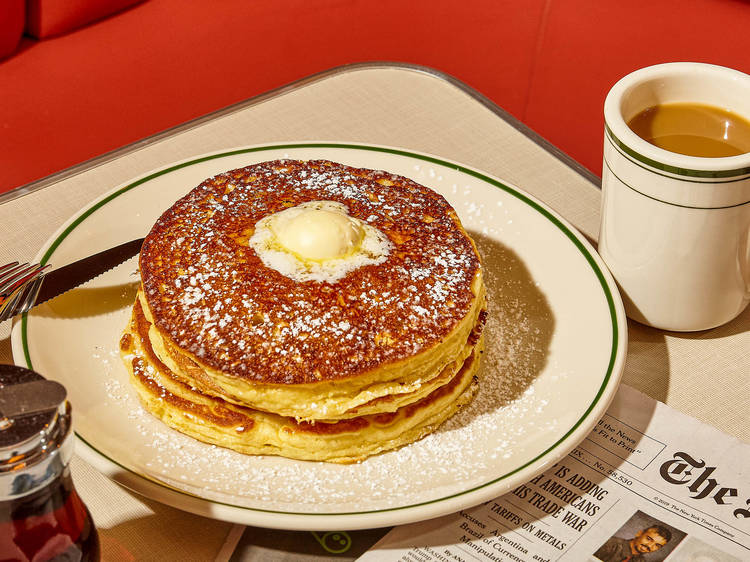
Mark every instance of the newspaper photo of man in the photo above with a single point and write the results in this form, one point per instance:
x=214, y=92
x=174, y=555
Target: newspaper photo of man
x=634, y=549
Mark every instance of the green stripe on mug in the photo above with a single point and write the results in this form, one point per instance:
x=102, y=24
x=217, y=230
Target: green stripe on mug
x=717, y=174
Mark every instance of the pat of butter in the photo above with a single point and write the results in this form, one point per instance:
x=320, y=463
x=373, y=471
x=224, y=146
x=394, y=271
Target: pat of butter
x=318, y=231
x=318, y=241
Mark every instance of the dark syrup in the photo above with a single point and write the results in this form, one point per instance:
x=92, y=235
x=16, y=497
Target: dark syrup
x=50, y=524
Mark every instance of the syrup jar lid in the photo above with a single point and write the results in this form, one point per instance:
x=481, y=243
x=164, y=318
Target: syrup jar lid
x=35, y=429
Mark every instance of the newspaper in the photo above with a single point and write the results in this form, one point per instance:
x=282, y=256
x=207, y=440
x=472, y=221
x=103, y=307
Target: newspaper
x=647, y=484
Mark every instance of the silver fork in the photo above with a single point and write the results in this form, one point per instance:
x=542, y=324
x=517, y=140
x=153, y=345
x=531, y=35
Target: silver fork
x=19, y=286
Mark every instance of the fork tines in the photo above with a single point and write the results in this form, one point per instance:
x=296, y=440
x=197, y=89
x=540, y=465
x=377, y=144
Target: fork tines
x=19, y=286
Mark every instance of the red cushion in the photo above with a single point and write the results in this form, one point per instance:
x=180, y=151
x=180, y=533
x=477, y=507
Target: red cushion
x=161, y=63
x=46, y=18
x=76, y=96
x=11, y=25
x=585, y=46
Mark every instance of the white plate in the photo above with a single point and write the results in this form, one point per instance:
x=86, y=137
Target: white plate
x=556, y=341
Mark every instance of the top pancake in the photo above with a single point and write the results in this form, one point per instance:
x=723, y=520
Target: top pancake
x=209, y=293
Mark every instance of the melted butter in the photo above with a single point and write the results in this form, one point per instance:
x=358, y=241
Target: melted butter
x=318, y=241
x=320, y=230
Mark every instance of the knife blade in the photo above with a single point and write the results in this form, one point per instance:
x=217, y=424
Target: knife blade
x=67, y=277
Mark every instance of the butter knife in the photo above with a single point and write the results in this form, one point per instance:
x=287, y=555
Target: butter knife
x=67, y=277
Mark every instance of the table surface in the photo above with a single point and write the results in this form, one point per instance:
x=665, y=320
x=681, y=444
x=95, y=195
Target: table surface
x=704, y=374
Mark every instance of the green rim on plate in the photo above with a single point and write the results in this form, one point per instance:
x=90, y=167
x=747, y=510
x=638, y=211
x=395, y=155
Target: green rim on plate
x=549, y=216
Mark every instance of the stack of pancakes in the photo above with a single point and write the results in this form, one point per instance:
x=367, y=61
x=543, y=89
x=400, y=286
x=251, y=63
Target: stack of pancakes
x=227, y=349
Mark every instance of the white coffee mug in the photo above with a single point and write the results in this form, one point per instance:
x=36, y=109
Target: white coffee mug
x=675, y=230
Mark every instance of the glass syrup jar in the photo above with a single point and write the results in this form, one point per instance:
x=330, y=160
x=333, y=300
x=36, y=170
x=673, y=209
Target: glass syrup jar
x=41, y=515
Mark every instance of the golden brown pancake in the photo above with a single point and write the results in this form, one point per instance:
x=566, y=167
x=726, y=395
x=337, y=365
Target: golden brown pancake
x=240, y=334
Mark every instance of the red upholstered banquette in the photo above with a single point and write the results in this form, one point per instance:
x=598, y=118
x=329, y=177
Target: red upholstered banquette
x=65, y=85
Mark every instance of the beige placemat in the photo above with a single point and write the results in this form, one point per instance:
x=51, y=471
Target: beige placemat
x=132, y=527
x=705, y=375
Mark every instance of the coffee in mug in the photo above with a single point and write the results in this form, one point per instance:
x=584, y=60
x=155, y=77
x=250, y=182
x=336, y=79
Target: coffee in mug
x=693, y=129
x=675, y=228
